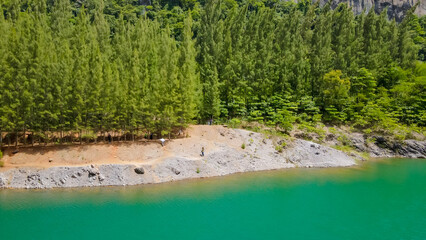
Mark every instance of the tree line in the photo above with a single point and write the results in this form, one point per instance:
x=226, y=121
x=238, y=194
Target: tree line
x=82, y=70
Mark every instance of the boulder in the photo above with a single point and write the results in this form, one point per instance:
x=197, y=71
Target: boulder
x=177, y=172
x=101, y=178
x=93, y=172
x=139, y=170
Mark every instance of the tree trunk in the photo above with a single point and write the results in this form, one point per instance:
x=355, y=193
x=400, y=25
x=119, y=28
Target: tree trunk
x=16, y=139
x=1, y=138
x=80, y=136
x=46, y=136
x=61, y=137
x=32, y=139
x=25, y=136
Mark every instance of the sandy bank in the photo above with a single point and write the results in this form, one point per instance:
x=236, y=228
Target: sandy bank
x=141, y=163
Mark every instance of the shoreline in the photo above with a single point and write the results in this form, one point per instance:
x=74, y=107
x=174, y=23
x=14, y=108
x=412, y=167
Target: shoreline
x=228, y=151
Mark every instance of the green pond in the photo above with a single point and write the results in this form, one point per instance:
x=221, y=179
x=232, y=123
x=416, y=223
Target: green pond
x=383, y=199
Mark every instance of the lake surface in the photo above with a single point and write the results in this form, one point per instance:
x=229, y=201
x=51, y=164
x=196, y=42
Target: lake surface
x=383, y=199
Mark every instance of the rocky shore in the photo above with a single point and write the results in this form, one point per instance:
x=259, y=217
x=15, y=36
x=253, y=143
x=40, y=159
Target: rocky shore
x=227, y=151
x=222, y=158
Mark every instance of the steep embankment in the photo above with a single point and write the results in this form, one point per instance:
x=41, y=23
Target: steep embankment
x=140, y=163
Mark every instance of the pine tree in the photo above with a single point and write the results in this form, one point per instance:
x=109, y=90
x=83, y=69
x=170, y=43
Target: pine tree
x=209, y=49
x=188, y=78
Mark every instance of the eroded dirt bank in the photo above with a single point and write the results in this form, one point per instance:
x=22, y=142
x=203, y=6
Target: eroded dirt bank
x=141, y=163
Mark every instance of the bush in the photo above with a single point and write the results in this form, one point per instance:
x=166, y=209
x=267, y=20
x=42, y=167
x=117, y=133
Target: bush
x=88, y=137
x=1, y=163
x=243, y=146
x=234, y=123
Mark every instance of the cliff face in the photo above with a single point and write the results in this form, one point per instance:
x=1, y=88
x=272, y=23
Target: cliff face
x=396, y=8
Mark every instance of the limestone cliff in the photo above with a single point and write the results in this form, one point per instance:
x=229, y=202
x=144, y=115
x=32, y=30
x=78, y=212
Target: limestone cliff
x=396, y=8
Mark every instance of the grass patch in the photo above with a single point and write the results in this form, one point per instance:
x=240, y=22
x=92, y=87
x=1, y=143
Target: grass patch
x=344, y=148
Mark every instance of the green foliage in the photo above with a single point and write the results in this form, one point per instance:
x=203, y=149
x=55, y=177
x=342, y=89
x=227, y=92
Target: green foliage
x=333, y=94
x=243, y=146
x=234, y=123
x=120, y=65
x=313, y=128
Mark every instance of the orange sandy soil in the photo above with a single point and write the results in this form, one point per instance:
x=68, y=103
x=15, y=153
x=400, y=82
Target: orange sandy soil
x=149, y=152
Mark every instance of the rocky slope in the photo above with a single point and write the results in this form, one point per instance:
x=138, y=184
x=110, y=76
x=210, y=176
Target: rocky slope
x=396, y=8
x=385, y=147
x=224, y=155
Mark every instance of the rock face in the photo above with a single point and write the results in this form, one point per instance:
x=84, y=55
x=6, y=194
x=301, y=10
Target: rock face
x=384, y=147
x=396, y=8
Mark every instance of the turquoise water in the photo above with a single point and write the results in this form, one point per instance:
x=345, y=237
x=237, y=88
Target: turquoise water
x=377, y=200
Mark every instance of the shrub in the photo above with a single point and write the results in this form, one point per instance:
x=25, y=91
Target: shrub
x=88, y=137
x=1, y=162
x=367, y=131
x=198, y=170
x=243, y=146
x=234, y=123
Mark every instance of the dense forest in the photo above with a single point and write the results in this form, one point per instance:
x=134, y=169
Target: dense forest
x=83, y=68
